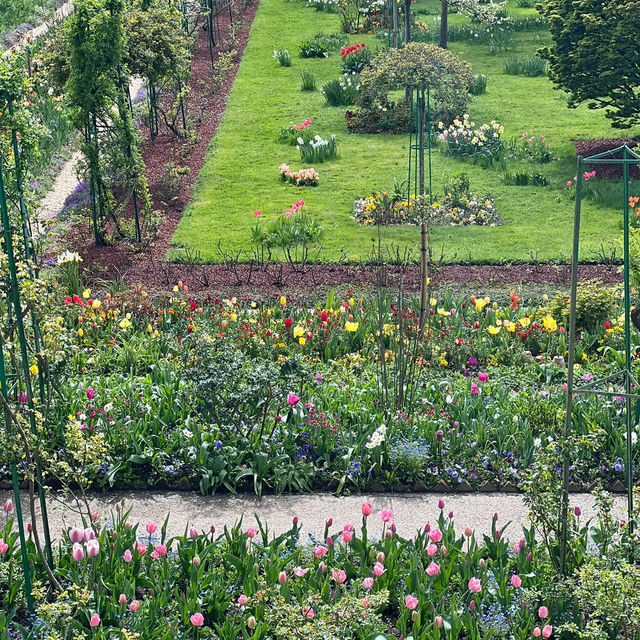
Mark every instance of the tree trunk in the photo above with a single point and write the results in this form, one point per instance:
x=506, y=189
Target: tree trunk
x=444, y=15
x=407, y=21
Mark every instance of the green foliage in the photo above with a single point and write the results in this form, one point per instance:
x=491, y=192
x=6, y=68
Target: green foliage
x=522, y=66
x=307, y=80
x=283, y=57
x=318, y=149
x=419, y=65
x=479, y=84
x=594, y=305
x=522, y=178
x=315, y=48
x=342, y=92
x=584, y=64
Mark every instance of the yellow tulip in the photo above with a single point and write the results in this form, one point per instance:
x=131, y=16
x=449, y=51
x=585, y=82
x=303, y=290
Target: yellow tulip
x=298, y=331
x=33, y=369
x=302, y=341
x=352, y=327
x=549, y=323
x=493, y=330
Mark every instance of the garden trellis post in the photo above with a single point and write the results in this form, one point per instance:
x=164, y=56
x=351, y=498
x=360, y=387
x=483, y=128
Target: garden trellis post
x=626, y=157
x=419, y=129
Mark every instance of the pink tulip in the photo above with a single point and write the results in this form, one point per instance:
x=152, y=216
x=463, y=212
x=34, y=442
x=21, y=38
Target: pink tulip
x=93, y=548
x=161, y=550
x=152, y=527
x=475, y=585
x=537, y=632
x=380, y=557
x=300, y=572
x=141, y=548
x=323, y=567
x=468, y=532
x=242, y=600
x=516, y=581
x=293, y=399
x=257, y=213
x=433, y=569
x=95, y=514
x=197, y=619
x=320, y=552
x=347, y=536
x=378, y=569
x=411, y=602
x=516, y=548
x=366, y=509
x=89, y=534
x=547, y=630
x=339, y=575
x=441, y=504
x=432, y=550
x=134, y=606
x=95, y=620
x=4, y=547
x=435, y=535
x=90, y=393
x=543, y=612
x=282, y=577
x=367, y=583
x=77, y=552
x=76, y=534
x=193, y=533
x=386, y=515
x=308, y=613
x=127, y=557
x=483, y=377
x=122, y=599
x=251, y=532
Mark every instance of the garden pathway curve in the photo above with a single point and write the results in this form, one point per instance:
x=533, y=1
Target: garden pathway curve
x=411, y=511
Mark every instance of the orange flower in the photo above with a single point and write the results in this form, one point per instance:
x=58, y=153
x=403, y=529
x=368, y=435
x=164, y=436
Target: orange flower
x=633, y=201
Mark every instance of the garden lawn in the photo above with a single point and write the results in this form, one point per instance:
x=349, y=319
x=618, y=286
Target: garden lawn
x=241, y=173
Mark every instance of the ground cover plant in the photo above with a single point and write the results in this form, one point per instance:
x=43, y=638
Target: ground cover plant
x=537, y=219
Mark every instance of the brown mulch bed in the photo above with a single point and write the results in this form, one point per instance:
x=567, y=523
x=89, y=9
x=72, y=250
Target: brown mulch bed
x=205, y=111
x=587, y=148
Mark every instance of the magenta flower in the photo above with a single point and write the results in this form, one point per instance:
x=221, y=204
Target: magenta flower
x=483, y=377
x=152, y=527
x=435, y=535
x=95, y=620
x=386, y=515
x=474, y=389
x=251, y=532
x=91, y=393
x=257, y=213
x=293, y=399
x=366, y=509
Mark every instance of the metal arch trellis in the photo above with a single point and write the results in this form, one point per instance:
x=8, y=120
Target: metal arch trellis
x=10, y=380
x=626, y=157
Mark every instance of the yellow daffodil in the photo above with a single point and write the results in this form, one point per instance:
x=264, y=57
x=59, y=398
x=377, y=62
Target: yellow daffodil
x=125, y=323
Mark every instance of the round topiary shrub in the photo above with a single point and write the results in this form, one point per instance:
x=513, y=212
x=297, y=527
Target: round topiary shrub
x=417, y=65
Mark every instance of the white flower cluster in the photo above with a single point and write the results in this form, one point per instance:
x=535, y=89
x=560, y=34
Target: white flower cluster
x=68, y=256
x=377, y=437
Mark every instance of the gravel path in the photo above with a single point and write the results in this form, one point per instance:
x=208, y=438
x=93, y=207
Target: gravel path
x=411, y=511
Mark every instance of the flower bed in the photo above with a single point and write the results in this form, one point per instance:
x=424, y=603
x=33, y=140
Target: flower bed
x=119, y=579
x=302, y=178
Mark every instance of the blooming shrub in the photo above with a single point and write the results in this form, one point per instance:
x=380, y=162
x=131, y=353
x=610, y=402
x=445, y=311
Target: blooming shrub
x=417, y=65
x=535, y=148
x=318, y=149
x=461, y=139
x=301, y=178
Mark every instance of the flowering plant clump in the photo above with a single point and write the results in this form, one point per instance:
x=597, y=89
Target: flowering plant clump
x=342, y=92
x=294, y=132
x=535, y=148
x=301, y=178
x=355, y=58
x=463, y=140
x=348, y=582
x=317, y=149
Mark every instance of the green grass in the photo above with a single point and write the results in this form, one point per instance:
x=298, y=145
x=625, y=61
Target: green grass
x=241, y=171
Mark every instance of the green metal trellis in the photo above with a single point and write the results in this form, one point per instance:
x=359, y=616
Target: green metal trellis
x=626, y=157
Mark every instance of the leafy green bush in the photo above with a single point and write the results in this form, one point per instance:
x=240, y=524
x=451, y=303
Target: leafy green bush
x=283, y=57
x=314, y=48
x=594, y=305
